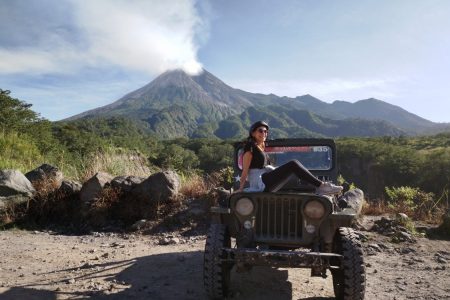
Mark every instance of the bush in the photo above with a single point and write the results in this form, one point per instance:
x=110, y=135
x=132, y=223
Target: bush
x=105, y=207
x=176, y=157
x=413, y=202
x=194, y=186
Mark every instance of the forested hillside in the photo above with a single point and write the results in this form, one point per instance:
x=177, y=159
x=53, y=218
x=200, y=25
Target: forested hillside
x=176, y=104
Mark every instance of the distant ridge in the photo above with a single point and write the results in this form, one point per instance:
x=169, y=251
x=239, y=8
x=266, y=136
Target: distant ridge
x=177, y=104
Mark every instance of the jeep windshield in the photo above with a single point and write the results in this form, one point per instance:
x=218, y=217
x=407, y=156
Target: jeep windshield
x=317, y=157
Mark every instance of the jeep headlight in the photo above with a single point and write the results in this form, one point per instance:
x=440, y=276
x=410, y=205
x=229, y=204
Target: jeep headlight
x=314, y=209
x=244, y=206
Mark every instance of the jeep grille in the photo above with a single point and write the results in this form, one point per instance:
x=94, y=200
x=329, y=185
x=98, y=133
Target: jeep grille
x=278, y=218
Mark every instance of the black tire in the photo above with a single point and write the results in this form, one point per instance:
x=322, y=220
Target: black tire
x=216, y=273
x=349, y=281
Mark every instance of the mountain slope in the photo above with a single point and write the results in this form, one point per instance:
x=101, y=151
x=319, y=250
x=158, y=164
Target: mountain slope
x=288, y=122
x=174, y=104
x=370, y=109
x=177, y=104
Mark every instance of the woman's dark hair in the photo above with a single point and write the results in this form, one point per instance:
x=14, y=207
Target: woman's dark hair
x=255, y=126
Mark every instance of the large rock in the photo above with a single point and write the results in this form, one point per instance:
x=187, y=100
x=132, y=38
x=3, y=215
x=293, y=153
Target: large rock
x=126, y=183
x=70, y=187
x=45, y=171
x=15, y=188
x=353, y=199
x=160, y=187
x=92, y=188
x=14, y=183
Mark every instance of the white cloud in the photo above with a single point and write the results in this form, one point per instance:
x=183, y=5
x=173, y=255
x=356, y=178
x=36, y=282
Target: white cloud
x=326, y=89
x=23, y=61
x=146, y=36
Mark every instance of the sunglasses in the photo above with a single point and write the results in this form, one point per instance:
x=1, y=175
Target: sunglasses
x=261, y=130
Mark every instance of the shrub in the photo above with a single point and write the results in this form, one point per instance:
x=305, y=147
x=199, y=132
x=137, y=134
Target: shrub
x=104, y=207
x=52, y=205
x=194, y=186
x=11, y=213
x=414, y=202
x=176, y=157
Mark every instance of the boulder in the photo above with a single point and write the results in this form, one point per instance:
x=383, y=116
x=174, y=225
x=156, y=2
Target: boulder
x=126, y=183
x=402, y=218
x=93, y=187
x=353, y=199
x=45, y=171
x=14, y=183
x=139, y=224
x=70, y=187
x=160, y=187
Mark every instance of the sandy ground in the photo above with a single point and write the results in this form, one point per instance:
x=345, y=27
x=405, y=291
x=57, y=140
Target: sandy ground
x=47, y=265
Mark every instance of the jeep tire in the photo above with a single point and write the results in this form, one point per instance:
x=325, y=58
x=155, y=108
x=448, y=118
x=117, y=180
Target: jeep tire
x=216, y=272
x=349, y=281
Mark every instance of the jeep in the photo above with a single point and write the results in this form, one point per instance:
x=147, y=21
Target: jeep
x=293, y=227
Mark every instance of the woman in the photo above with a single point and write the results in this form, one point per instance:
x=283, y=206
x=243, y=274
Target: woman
x=263, y=177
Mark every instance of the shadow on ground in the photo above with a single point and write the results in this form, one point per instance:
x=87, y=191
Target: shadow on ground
x=162, y=276
x=18, y=293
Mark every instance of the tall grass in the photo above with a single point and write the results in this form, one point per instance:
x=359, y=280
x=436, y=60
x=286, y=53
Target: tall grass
x=115, y=161
x=193, y=186
x=21, y=153
x=18, y=152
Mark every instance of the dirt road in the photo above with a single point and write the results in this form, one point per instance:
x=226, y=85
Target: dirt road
x=46, y=265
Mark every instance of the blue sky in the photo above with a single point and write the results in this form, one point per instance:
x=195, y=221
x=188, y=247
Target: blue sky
x=68, y=56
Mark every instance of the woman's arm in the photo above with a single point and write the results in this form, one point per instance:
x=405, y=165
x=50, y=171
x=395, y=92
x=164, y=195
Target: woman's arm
x=246, y=160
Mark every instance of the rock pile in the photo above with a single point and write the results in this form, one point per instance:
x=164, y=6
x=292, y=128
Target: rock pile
x=394, y=228
x=133, y=194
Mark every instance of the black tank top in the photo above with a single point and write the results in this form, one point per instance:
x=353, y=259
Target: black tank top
x=259, y=158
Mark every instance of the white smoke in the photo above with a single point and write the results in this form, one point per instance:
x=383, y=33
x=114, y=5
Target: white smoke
x=150, y=36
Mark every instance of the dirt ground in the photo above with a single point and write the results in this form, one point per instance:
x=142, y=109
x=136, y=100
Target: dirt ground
x=47, y=265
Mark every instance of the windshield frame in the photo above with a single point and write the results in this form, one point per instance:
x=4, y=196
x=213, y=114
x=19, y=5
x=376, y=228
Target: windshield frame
x=296, y=142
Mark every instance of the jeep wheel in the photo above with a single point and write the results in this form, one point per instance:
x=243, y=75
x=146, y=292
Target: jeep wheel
x=216, y=273
x=349, y=281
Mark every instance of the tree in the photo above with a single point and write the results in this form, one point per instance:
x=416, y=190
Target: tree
x=176, y=157
x=215, y=157
x=15, y=115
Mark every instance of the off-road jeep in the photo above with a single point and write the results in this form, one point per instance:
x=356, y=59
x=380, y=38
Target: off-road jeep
x=293, y=227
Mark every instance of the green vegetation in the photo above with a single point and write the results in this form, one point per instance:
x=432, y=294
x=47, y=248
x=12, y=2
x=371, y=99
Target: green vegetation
x=18, y=152
x=374, y=163
x=408, y=170
x=115, y=145
x=412, y=201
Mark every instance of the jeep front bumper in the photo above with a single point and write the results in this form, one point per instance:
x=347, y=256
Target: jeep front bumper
x=282, y=258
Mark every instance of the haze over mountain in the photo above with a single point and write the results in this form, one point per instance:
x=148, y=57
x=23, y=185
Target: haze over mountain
x=177, y=104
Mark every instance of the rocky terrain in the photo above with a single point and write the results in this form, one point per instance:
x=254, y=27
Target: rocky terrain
x=168, y=265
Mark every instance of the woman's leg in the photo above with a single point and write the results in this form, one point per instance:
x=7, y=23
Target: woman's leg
x=278, y=177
